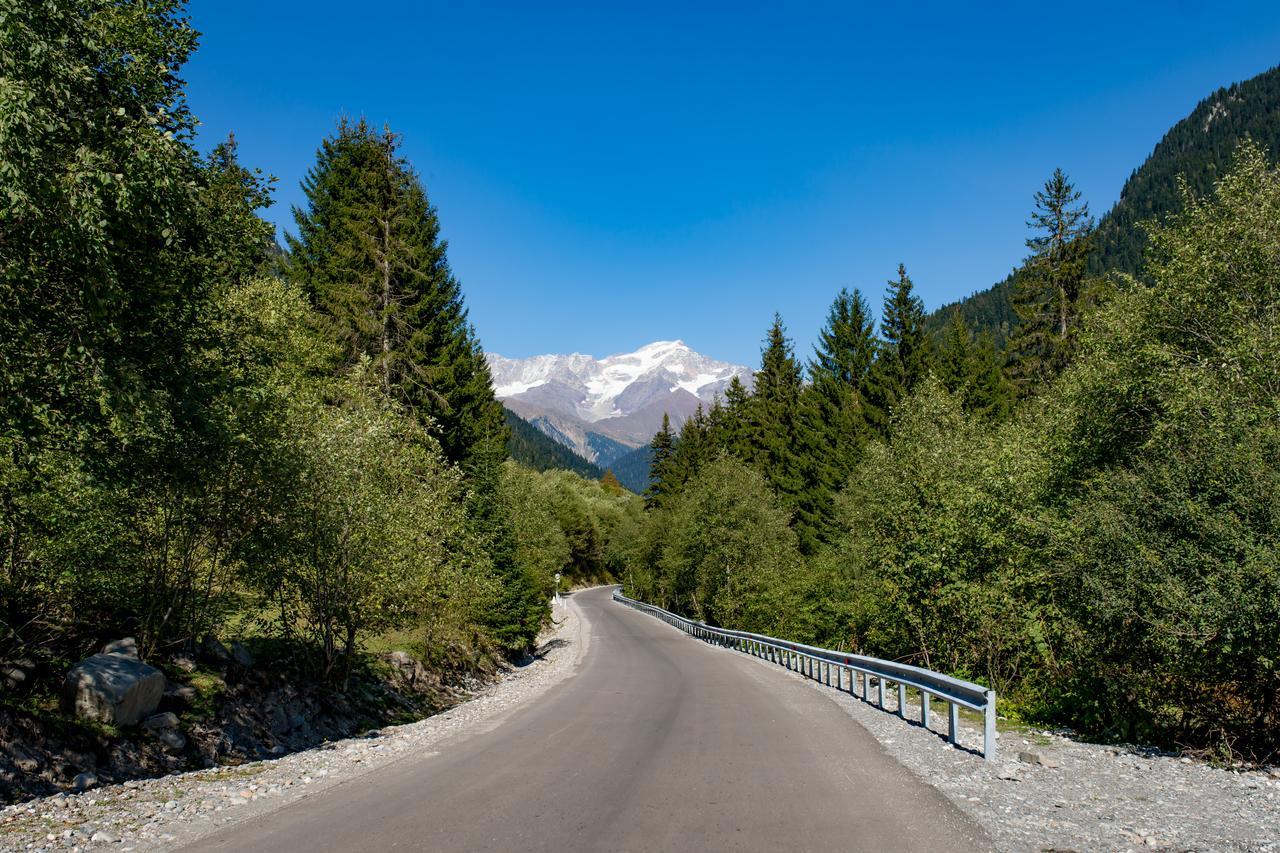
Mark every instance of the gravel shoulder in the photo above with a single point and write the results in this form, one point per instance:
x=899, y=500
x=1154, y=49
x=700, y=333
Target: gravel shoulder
x=1047, y=792
x=172, y=811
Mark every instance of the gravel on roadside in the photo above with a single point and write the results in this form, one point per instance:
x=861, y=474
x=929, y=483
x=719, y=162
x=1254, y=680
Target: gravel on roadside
x=170, y=811
x=1049, y=792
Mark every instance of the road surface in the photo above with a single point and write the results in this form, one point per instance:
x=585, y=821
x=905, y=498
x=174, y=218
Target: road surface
x=658, y=742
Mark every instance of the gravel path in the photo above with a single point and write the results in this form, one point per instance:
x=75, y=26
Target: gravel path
x=1078, y=796
x=168, y=812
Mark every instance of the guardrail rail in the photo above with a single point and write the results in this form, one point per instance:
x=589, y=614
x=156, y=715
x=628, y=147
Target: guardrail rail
x=811, y=662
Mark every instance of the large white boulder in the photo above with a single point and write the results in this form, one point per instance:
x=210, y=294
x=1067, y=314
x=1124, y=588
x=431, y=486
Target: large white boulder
x=113, y=687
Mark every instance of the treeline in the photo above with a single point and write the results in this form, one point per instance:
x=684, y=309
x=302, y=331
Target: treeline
x=1088, y=521
x=198, y=429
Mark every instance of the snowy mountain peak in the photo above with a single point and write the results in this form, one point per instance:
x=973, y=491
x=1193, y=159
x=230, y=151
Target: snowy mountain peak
x=621, y=394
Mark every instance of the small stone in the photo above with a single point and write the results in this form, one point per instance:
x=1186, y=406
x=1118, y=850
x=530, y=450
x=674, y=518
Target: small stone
x=101, y=837
x=212, y=649
x=172, y=739
x=1036, y=758
x=84, y=781
x=163, y=720
x=127, y=647
x=24, y=761
x=241, y=655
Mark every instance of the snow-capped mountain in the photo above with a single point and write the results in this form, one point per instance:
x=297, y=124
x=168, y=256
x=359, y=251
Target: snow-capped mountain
x=621, y=397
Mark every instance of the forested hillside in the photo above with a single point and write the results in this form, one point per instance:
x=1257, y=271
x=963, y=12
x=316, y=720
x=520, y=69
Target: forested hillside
x=1197, y=149
x=530, y=446
x=1089, y=527
x=632, y=469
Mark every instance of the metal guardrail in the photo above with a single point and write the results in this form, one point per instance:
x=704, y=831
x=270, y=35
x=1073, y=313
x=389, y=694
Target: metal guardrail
x=811, y=661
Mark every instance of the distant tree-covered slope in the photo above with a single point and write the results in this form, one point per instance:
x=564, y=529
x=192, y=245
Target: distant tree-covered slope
x=1199, y=147
x=632, y=470
x=529, y=446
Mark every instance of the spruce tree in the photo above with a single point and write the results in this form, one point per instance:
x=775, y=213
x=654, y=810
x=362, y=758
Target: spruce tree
x=833, y=428
x=660, y=479
x=904, y=356
x=991, y=395
x=690, y=452
x=972, y=369
x=775, y=423
x=369, y=254
x=955, y=364
x=1047, y=291
x=731, y=425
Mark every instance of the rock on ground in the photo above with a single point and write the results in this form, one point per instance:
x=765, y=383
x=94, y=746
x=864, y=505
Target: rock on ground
x=113, y=687
x=165, y=813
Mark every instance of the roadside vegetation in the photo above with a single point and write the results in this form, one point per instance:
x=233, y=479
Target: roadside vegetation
x=1087, y=521
x=205, y=436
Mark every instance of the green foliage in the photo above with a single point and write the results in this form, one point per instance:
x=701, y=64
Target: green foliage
x=1103, y=553
x=188, y=441
x=565, y=523
x=724, y=552
x=661, y=477
x=973, y=370
x=1169, y=426
x=373, y=534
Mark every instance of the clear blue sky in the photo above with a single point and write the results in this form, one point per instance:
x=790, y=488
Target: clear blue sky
x=609, y=174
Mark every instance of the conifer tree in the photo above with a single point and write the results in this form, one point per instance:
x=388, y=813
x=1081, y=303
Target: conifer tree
x=609, y=481
x=834, y=431
x=691, y=450
x=730, y=426
x=971, y=368
x=775, y=421
x=955, y=363
x=369, y=254
x=660, y=480
x=991, y=395
x=904, y=356
x=1047, y=291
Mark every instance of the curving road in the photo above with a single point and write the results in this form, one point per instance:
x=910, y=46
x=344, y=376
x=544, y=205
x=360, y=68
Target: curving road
x=658, y=742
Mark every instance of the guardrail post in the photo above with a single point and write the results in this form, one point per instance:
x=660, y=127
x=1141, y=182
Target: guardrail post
x=953, y=721
x=880, y=690
x=902, y=700
x=989, y=727
x=866, y=687
x=924, y=709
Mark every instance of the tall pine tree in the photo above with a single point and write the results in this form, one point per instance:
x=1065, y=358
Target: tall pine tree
x=661, y=480
x=905, y=354
x=369, y=254
x=834, y=429
x=1047, y=292
x=775, y=427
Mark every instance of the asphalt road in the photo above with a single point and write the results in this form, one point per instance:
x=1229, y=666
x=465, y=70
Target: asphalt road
x=658, y=742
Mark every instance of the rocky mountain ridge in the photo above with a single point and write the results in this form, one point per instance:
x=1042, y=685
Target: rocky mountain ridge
x=601, y=408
